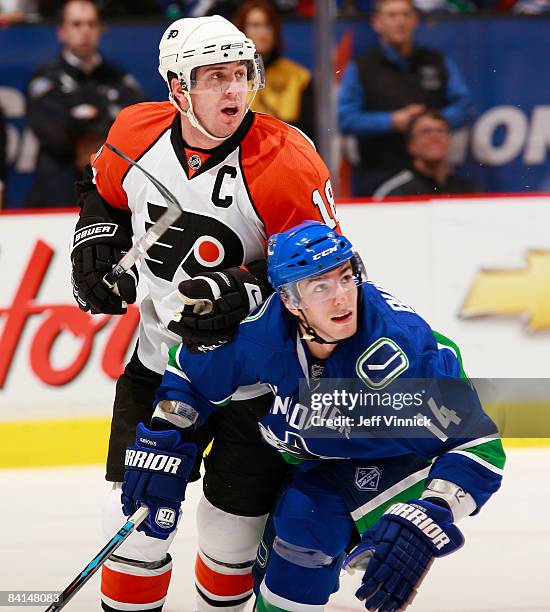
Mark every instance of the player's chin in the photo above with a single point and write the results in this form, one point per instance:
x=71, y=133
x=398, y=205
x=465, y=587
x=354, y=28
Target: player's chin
x=342, y=327
x=225, y=128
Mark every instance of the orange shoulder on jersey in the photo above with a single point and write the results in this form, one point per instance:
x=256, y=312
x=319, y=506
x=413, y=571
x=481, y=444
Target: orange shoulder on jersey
x=287, y=180
x=135, y=129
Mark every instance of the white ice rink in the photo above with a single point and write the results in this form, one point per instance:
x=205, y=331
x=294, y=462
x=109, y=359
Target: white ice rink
x=50, y=529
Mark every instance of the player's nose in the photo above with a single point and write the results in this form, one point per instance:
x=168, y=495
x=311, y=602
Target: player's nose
x=341, y=295
x=232, y=87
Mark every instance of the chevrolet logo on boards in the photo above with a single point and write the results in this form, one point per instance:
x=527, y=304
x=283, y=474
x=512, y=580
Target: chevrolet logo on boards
x=512, y=292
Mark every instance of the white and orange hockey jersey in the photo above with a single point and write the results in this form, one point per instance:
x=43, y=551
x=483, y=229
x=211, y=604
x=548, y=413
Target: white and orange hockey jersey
x=266, y=178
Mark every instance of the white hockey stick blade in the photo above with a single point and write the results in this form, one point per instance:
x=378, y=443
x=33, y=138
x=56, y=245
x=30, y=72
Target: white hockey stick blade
x=173, y=211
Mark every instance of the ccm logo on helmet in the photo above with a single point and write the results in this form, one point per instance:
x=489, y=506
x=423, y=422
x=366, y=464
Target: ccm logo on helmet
x=152, y=461
x=325, y=252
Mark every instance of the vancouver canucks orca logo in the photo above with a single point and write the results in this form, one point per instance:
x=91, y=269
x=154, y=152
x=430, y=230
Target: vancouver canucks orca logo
x=293, y=444
x=382, y=362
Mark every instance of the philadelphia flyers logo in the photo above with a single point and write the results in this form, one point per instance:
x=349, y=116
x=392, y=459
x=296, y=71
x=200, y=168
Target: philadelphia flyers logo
x=196, y=243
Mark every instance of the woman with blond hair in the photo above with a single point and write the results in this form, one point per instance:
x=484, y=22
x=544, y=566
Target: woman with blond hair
x=288, y=92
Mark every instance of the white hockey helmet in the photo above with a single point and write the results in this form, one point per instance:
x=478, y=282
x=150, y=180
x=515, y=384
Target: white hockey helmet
x=192, y=42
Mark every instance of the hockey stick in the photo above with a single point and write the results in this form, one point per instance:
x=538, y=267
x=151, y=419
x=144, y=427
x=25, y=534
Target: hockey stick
x=152, y=235
x=131, y=524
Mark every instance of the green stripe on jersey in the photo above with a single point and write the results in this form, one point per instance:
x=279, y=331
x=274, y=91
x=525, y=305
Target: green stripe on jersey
x=271, y=602
x=447, y=342
x=491, y=452
x=370, y=519
x=291, y=458
x=375, y=510
x=173, y=356
x=265, y=606
x=222, y=402
x=260, y=313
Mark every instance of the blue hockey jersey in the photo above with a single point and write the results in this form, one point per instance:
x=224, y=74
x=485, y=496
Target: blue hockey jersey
x=392, y=343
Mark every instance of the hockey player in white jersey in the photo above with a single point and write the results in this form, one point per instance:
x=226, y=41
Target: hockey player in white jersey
x=240, y=177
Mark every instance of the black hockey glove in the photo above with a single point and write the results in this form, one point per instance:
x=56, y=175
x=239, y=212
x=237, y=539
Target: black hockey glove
x=214, y=305
x=100, y=240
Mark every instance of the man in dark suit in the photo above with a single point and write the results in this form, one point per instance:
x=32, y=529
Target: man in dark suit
x=389, y=85
x=428, y=141
x=71, y=101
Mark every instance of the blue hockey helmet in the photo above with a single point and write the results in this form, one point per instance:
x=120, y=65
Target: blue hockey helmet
x=305, y=251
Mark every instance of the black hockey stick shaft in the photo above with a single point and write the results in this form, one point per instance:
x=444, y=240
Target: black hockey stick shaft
x=131, y=524
x=152, y=235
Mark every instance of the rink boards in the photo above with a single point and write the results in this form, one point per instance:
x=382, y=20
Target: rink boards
x=477, y=269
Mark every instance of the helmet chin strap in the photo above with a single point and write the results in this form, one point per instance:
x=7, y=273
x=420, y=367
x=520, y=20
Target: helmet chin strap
x=310, y=334
x=192, y=118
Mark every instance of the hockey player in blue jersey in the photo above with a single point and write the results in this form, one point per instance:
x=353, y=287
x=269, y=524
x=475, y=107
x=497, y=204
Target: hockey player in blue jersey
x=398, y=497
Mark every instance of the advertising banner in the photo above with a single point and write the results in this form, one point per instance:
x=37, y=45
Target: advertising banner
x=55, y=360
x=478, y=270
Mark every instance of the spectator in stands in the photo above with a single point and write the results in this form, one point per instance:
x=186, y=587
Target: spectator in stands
x=3, y=155
x=68, y=98
x=288, y=93
x=445, y=6
x=428, y=142
x=176, y=9
x=49, y=9
x=16, y=11
x=531, y=7
x=354, y=7
x=110, y=9
x=389, y=85
x=226, y=8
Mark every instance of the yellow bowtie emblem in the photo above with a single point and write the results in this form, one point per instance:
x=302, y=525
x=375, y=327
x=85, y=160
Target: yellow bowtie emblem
x=512, y=292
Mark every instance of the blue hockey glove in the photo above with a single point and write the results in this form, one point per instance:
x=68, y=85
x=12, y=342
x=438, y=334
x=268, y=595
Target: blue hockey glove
x=156, y=475
x=398, y=550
